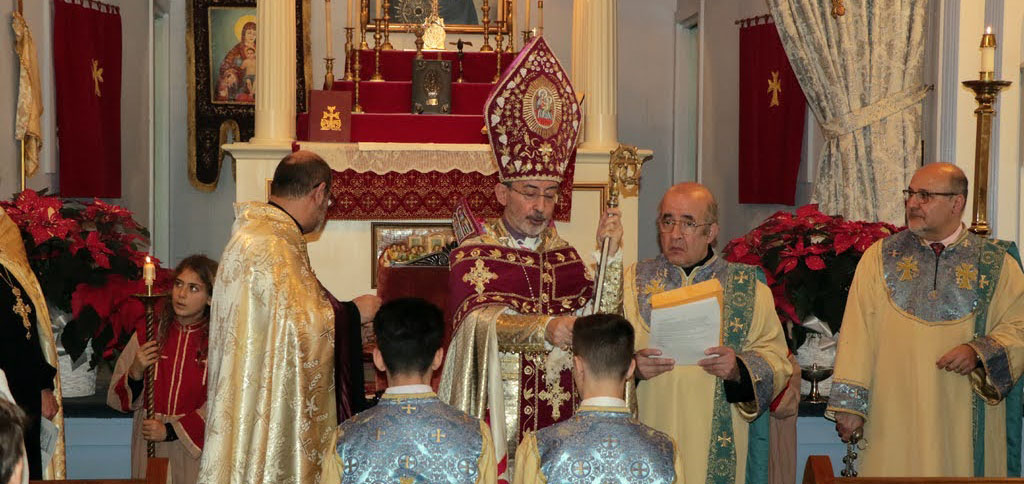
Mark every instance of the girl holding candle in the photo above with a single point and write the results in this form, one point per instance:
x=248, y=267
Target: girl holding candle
x=179, y=382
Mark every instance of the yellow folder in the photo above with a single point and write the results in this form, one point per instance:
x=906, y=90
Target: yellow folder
x=689, y=294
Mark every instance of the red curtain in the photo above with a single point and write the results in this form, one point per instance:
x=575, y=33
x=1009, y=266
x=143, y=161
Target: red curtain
x=772, y=109
x=87, y=67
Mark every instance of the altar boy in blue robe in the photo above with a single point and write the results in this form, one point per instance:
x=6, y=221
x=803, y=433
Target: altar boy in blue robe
x=410, y=436
x=601, y=442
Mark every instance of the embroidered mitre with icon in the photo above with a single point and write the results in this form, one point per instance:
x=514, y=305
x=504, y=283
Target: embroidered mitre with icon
x=533, y=117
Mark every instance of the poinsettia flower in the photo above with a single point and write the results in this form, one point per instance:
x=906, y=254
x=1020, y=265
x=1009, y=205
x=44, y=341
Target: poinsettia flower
x=97, y=249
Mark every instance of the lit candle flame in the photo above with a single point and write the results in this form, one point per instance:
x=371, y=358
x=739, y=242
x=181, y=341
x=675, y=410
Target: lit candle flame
x=148, y=260
x=988, y=30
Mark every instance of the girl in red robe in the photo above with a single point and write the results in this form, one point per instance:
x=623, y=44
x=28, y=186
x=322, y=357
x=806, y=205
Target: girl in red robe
x=179, y=352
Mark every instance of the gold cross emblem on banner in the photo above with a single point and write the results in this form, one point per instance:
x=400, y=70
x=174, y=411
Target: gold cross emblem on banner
x=774, y=87
x=438, y=435
x=408, y=409
x=97, y=77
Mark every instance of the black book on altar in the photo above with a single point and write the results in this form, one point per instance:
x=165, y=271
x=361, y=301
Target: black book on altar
x=431, y=86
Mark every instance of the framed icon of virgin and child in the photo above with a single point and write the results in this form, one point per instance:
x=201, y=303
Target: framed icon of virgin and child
x=222, y=55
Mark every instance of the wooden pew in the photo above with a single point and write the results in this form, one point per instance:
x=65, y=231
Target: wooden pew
x=156, y=473
x=819, y=471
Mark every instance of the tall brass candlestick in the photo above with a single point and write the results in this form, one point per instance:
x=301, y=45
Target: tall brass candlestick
x=486, y=9
x=510, y=25
x=377, y=77
x=540, y=17
x=149, y=300
x=497, y=53
x=418, y=30
x=329, y=76
x=387, y=26
x=348, y=53
x=356, y=107
x=364, y=18
x=985, y=92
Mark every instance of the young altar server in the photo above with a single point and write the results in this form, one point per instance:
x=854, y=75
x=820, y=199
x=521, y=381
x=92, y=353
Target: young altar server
x=410, y=436
x=601, y=442
x=179, y=353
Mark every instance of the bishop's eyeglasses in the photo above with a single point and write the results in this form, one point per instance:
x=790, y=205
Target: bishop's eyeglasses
x=533, y=196
x=924, y=195
x=688, y=227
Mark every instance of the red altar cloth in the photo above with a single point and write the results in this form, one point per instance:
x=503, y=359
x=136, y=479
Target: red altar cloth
x=415, y=195
x=408, y=128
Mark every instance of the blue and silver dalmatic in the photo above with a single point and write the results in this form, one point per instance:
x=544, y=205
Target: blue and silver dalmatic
x=604, y=446
x=410, y=438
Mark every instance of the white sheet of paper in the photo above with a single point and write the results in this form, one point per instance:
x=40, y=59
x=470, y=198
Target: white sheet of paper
x=684, y=332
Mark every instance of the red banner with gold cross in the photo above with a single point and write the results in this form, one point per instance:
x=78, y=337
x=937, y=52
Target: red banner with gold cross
x=87, y=68
x=772, y=111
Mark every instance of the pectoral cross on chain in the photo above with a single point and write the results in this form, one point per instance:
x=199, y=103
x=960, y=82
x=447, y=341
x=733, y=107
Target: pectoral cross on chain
x=23, y=310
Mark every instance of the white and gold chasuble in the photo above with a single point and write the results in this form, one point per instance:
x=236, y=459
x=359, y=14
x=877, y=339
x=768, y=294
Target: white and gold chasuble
x=907, y=307
x=271, y=406
x=720, y=442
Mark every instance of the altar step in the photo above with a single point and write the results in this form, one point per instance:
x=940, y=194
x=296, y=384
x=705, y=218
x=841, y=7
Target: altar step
x=396, y=96
x=388, y=104
x=408, y=128
x=396, y=65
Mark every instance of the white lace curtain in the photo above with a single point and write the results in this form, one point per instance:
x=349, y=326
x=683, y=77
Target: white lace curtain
x=862, y=76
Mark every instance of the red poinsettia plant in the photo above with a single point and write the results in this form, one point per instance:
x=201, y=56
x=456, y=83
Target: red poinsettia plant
x=808, y=259
x=88, y=259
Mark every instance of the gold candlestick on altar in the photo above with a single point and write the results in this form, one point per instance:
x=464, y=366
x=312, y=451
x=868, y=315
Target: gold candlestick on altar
x=348, y=54
x=418, y=31
x=356, y=107
x=497, y=53
x=985, y=93
x=540, y=17
x=510, y=24
x=486, y=9
x=377, y=77
x=329, y=76
x=364, y=18
x=149, y=301
x=387, y=26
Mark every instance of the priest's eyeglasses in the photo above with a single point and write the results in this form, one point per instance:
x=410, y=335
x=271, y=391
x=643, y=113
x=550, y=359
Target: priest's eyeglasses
x=537, y=195
x=924, y=195
x=688, y=227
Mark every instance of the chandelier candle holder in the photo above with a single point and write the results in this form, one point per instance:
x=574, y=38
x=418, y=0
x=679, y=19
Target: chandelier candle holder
x=364, y=19
x=348, y=53
x=986, y=89
x=387, y=26
x=377, y=77
x=486, y=9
